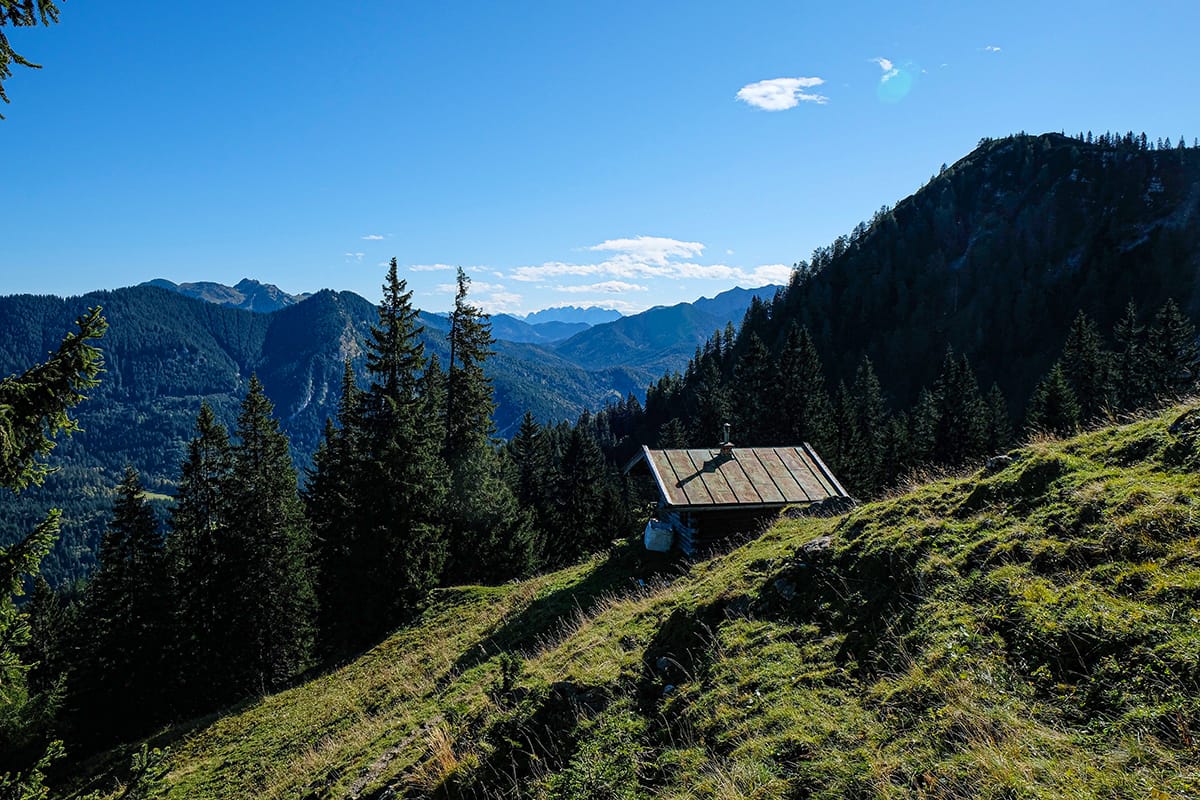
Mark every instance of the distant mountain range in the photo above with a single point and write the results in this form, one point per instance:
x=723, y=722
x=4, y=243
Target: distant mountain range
x=660, y=338
x=591, y=315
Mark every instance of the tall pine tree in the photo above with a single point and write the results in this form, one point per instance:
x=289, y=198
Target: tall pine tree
x=490, y=536
x=268, y=555
x=1171, y=353
x=202, y=609
x=119, y=687
x=401, y=486
x=801, y=404
x=1088, y=367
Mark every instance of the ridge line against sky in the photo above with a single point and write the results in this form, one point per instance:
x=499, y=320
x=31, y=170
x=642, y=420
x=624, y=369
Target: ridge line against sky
x=622, y=155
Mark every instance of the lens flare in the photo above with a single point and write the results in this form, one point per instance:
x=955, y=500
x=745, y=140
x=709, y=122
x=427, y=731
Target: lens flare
x=896, y=83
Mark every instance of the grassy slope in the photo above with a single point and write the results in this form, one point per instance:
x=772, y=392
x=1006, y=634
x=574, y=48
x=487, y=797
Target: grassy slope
x=1032, y=633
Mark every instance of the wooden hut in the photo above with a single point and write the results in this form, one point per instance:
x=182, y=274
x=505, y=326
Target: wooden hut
x=705, y=495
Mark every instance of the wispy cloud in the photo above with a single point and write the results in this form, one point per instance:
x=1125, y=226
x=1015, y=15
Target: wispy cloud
x=429, y=267
x=645, y=257
x=354, y=256
x=501, y=303
x=477, y=287
x=889, y=69
x=991, y=48
x=612, y=287
x=373, y=237
x=654, y=249
x=780, y=94
x=493, y=298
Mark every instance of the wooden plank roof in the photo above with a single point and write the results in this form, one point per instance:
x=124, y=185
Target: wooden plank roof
x=747, y=477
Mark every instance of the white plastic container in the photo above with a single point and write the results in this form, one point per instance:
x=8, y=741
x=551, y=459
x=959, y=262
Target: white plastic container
x=659, y=536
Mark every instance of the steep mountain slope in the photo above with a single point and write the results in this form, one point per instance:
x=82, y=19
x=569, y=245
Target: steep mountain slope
x=1026, y=633
x=662, y=338
x=995, y=255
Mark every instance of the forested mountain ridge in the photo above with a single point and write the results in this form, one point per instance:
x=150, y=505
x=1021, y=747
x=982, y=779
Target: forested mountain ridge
x=994, y=257
x=661, y=338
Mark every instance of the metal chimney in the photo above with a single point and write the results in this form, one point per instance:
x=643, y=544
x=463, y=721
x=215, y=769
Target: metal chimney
x=726, y=446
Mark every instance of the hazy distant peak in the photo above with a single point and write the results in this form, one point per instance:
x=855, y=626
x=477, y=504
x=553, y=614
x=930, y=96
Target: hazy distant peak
x=591, y=315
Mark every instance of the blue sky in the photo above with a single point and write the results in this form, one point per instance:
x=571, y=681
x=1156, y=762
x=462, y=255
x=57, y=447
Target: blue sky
x=620, y=154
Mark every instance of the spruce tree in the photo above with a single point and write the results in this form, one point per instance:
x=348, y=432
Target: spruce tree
x=801, y=404
x=119, y=686
x=870, y=419
x=672, y=435
x=712, y=404
x=923, y=426
x=961, y=431
x=1087, y=366
x=753, y=379
x=532, y=479
x=580, y=495
x=1171, y=353
x=202, y=608
x=401, y=483
x=1133, y=388
x=490, y=537
x=331, y=505
x=999, y=428
x=1053, y=408
x=469, y=397
x=267, y=547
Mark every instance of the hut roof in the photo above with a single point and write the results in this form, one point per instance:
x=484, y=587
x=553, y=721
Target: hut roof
x=739, y=477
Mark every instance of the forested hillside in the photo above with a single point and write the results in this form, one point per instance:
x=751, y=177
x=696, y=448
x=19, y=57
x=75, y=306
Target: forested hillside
x=996, y=255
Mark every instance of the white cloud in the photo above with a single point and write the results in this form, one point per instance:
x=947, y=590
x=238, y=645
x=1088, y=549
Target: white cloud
x=354, y=256
x=991, y=48
x=885, y=64
x=373, y=237
x=500, y=302
x=429, y=267
x=778, y=274
x=642, y=258
x=780, y=94
x=654, y=249
x=613, y=287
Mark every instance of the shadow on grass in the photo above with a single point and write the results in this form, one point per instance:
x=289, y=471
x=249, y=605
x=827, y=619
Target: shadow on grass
x=627, y=568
